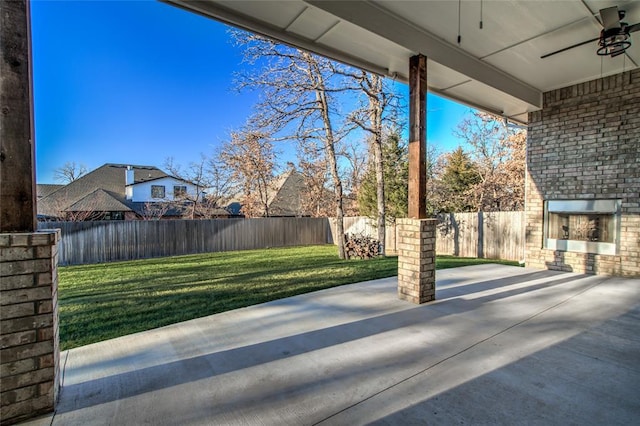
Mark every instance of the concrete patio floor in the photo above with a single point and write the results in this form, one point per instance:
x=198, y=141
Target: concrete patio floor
x=501, y=345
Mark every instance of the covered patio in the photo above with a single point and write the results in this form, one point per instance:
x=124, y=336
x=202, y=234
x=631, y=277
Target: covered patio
x=501, y=345
x=497, y=345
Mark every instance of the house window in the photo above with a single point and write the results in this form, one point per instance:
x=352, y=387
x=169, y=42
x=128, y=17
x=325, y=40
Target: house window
x=113, y=216
x=157, y=191
x=179, y=191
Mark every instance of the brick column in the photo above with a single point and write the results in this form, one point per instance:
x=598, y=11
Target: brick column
x=417, y=259
x=29, y=352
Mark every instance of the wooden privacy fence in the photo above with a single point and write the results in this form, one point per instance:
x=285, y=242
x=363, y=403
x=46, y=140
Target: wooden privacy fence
x=108, y=241
x=492, y=235
x=495, y=235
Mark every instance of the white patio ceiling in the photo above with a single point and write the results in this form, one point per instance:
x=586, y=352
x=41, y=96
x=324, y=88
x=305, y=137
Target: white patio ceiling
x=497, y=68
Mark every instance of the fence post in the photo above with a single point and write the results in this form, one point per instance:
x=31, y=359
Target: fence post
x=480, y=246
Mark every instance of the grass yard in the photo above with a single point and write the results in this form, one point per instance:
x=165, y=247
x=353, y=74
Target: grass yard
x=99, y=302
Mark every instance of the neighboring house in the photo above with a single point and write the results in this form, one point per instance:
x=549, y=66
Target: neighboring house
x=121, y=192
x=153, y=187
x=284, y=197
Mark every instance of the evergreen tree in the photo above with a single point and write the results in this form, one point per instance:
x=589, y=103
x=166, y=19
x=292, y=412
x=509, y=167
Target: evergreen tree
x=396, y=177
x=459, y=177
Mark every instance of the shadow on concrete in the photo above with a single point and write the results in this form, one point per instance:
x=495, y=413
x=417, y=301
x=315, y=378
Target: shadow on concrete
x=445, y=292
x=149, y=379
x=588, y=379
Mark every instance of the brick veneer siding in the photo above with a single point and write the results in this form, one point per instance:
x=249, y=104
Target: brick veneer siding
x=585, y=144
x=29, y=353
x=416, y=244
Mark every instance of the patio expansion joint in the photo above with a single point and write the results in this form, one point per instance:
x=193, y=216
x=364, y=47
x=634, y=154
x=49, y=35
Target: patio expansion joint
x=517, y=324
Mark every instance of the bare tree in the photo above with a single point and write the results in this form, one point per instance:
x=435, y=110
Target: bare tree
x=357, y=159
x=380, y=107
x=498, y=155
x=196, y=174
x=250, y=157
x=316, y=199
x=296, y=103
x=511, y=173
x=221, y=183
x=154, y=211
x=69, y=172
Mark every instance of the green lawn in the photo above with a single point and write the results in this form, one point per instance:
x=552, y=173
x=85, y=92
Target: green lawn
x=103, y=301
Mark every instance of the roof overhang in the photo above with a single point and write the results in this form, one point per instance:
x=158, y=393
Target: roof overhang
x=496, y=68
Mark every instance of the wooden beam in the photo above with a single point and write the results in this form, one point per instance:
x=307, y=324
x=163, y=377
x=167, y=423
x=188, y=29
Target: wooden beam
x=17, y=175
x=417, y=136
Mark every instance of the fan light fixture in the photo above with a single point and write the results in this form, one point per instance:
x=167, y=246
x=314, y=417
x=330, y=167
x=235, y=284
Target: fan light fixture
x=613, y=42
x=615, y=36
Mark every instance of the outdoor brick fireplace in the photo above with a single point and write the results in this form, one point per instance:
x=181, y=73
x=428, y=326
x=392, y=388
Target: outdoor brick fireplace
x=583, y=178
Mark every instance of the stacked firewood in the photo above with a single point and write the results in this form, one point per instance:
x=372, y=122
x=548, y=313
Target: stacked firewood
x=361, y=247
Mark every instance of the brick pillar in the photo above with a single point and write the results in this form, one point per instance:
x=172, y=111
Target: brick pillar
x=417, y=259
x=29, y=352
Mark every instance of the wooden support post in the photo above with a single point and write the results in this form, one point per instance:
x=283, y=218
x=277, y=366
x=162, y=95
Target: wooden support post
x=416, y=234
x=17, y=174
x=417, y=137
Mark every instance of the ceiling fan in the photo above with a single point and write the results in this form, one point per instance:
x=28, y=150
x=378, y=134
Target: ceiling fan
x=615, y=35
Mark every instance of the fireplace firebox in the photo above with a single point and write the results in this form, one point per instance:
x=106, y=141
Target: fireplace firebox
x=583, y=226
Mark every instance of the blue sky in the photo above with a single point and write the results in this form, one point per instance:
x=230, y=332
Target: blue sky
x=139, y=81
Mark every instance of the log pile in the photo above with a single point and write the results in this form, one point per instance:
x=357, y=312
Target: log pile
x=361, y=247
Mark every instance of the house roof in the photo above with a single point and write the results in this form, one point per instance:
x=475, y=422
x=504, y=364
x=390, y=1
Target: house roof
x=143, y=173
x=110, y=178
x=496, y=66
x=284, y=194
x=99, y=200
x=44, y=189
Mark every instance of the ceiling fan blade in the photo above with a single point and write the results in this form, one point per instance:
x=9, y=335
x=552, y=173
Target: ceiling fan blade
x=632, y=28
x=569, y=47
x=610, y=17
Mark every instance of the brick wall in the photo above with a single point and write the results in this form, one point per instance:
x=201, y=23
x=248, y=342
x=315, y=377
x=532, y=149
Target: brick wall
x=585, y=144
x=29, y=353
x=416, y=244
